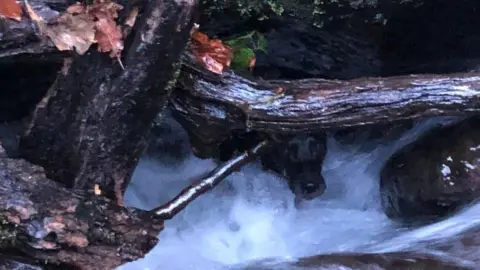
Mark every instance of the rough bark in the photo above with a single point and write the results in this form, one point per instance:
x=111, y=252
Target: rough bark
x=88, y=131
x=230, y=102
x=224, y=103
x=46, y=222
x=93, y=124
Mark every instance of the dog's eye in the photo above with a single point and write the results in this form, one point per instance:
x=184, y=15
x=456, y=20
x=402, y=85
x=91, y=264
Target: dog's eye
x=309, y=188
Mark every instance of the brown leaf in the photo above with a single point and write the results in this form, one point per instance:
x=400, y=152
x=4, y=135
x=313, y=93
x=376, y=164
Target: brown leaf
x=213, y=54
x=70, y=31
x=251, y=62
x=77, y=8
x=104, y=9
x=11, y=9
x=109, y=37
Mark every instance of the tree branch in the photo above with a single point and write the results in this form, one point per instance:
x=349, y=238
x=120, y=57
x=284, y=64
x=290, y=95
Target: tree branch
x=207, y=182
x=92, y=126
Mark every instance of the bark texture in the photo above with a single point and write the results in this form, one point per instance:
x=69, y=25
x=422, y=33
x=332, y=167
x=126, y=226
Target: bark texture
x=228, y=102
x=88, y=133
x=44, y=220
x=93, y=123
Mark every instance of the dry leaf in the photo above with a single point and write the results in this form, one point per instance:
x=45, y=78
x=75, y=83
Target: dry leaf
x=11, y=9
x=213, y=54
x=104, y=9
x=77, y=8
x=109, y=37
x=71, y=31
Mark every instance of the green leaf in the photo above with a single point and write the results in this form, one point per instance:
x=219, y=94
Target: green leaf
x=262, y=43
x=240, y=42
x=241, y=58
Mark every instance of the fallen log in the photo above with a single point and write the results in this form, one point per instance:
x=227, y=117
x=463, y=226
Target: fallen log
x=211, y=106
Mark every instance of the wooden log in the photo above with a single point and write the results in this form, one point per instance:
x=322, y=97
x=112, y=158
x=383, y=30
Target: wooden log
x=93, y=124
x=44, y=220
x=227, y=102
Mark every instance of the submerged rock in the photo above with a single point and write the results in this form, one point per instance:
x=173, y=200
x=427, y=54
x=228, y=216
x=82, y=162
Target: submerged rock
x=435, y=175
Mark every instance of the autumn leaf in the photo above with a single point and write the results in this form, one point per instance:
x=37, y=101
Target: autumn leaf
x=109, y=37
x=83, y=25
x=10, y=9
x=77, y=8
x=70, y=31
x=104, y=9
x=213, y=54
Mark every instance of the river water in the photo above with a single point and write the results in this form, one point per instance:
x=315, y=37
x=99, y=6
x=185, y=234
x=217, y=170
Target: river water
x=250, y=222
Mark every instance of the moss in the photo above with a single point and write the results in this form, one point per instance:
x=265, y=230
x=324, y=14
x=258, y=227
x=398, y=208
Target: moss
x=317, y=12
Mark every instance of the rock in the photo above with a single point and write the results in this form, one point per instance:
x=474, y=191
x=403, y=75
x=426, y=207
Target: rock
x=384, y=261
x=434, y=176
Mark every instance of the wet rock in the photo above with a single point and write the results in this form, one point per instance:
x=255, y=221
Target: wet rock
x=465, y=245
x=434, y=176
x=359, y=261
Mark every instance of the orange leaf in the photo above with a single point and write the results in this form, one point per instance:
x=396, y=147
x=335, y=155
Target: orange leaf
x=251, y=62
x=76, y=9
x=109, y=37
x=11, y=9
x=104, y=9
x=213, y=54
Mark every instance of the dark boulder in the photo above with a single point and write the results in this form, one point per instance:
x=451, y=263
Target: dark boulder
x=297, y=158
x=434, y=176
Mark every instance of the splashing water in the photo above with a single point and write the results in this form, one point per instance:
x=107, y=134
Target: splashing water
x=251, y=215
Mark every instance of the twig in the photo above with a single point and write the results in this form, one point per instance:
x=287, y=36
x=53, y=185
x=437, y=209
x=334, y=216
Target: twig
x=207, y=182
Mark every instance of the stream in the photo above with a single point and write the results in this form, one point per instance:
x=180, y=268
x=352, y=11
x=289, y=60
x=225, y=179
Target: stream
x=250, y=221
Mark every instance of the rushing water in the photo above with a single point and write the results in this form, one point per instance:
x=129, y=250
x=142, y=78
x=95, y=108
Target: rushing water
x=251, y=216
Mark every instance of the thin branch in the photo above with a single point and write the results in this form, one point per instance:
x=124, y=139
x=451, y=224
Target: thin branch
x=207, y=183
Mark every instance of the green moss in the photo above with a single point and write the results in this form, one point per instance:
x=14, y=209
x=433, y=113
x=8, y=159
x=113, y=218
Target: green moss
x=317, y=12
